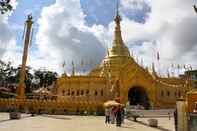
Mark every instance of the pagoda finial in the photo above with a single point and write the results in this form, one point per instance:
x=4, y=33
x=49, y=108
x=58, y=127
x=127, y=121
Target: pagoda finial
x=118, y=38
x=117, y=16
x=118, y=47
x=117, y=7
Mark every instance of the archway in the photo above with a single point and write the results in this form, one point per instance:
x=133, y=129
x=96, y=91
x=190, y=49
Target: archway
x=138, y=96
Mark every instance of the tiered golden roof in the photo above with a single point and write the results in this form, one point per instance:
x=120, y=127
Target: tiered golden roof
x=118, y=55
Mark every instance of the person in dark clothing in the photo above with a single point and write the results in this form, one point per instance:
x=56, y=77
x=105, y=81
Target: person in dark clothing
x=107, y=113
x=123, y=115
x=118, y=116
x=175, y=119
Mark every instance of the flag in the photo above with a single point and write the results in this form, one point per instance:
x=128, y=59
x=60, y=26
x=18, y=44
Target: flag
x=83, y=66
x=153, y=67
x=190, y=66
x=82, y=63
x=184, y=66
x=142, y=62
x=158, y=57
x=31, y=37
x=137, y=59
x=73, y=68
x=63, y=64
x=195, y=8
x=72, y=63
x=24, y=30
x=108, y=53
x=146, y=68
x=132, y=54
x=172, y=65
x=168, y=73
x=178, y=66
x=91, y=62
x=112, y=88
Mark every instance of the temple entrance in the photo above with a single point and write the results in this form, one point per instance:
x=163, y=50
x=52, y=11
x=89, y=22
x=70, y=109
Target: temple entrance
x=138, y=96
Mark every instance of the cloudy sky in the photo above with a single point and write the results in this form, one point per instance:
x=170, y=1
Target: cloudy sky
x=82, y=30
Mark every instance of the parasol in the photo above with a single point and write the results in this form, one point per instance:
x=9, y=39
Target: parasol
x=111, y=103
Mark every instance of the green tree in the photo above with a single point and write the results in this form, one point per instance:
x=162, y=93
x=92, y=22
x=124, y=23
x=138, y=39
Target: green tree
x=5, y=6
x=46, y=78
x=28, y=78
x=11, y=75
x=2, y=71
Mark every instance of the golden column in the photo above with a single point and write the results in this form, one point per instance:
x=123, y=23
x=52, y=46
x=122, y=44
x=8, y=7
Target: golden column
x=21, y=86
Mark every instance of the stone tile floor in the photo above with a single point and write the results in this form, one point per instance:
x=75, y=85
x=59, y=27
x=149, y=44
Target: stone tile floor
x=77, y=123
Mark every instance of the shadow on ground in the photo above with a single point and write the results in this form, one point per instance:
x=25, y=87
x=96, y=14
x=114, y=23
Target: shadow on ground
x=159, y=127
x=56, y=117
x=6, y=120
x=124, y=126
x=145, y=124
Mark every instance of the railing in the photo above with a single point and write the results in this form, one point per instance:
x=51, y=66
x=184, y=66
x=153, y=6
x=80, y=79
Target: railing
x=150, y=113
x=50, y=106
x=192, y=122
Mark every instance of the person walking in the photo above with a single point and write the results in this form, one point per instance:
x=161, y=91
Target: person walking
x=118, y=116
x=122, y=115
x=175, y=119
x=107, y=114
x=169, y=115
x=112, y=114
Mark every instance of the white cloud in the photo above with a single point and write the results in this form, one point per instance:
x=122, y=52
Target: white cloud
x=63, y=36
x=8, y=47
x=134, y=4
x=171, y=24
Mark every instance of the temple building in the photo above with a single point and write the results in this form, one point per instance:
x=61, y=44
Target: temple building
x=120, y=77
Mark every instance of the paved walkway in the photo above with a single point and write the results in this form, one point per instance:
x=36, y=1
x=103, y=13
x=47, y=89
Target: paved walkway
x=76, y=123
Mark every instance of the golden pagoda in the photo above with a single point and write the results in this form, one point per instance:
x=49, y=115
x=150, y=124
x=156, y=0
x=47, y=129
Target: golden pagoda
x=117, y=77
x=120, y=77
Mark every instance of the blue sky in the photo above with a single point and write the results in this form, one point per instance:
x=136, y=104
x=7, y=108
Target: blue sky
x=19, y=16
x=148, y=26
x=96, y=11
x=99, y=12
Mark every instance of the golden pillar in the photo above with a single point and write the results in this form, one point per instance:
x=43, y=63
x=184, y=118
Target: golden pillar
x=21, y=86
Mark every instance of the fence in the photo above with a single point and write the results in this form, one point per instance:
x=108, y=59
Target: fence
x=51, y=106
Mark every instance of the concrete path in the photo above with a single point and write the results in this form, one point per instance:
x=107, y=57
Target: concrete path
x=77, y=123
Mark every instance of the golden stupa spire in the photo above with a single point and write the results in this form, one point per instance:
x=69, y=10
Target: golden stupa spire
x=117, y=33
x=118, y=47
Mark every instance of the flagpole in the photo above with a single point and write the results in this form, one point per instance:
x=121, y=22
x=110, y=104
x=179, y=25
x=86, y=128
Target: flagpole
x=158, y=58
x=172, y=71
x=63, y=66
x=178, y=66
